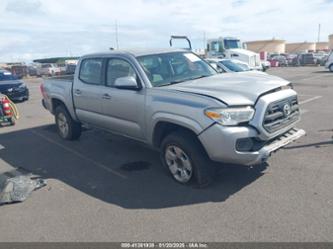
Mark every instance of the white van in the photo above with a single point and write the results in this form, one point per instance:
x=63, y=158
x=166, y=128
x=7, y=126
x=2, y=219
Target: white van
x=48, y=69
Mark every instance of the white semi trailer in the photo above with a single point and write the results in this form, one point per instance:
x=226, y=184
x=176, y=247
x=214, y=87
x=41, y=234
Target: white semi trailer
x=232, y=48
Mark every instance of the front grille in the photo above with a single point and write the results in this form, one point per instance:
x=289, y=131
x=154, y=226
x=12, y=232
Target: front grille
x=280, y=114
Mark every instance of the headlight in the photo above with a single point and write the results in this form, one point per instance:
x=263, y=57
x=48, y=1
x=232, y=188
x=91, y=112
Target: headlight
x=230, y=116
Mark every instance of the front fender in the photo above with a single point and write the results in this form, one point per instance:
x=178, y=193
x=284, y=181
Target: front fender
x=175, y=119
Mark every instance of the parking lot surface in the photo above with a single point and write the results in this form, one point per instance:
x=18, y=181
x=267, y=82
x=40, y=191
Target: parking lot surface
x=107, y=188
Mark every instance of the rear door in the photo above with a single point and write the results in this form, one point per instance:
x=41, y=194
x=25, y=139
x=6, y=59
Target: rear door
x=123, y=109
x=87, y=89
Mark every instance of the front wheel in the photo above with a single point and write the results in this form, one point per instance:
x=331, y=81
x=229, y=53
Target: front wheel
x=67, y=128
x=331, y=68
x=184, y=157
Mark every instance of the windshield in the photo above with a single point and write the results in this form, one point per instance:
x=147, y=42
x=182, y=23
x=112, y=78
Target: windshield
x=229, y=44
x=7, y=76
x=233, y=66
x=175, y=67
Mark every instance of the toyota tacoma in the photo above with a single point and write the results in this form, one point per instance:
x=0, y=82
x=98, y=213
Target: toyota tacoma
x=176, y=102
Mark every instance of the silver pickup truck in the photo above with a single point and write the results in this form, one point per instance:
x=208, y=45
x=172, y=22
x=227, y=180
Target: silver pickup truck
x=176, y=102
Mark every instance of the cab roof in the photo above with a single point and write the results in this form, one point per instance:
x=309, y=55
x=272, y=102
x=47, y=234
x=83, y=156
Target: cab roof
x=137, y=52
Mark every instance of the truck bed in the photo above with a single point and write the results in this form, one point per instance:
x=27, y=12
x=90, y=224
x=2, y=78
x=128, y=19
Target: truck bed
x=59, y=87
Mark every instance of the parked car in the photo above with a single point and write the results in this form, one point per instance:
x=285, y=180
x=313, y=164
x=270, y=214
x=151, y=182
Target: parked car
x=306, y=59
x=282, y=60
x=290, y=59
x=329, y=62
x=48, y=69
x=62, y=68
x=70, y=69
x=270, y=56
x=11, y=86
x=32, y=71
x=19, y=71
x=177, y=103
x=324, y=60
x=228, y=65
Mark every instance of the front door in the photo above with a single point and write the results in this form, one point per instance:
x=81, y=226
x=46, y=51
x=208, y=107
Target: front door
x=123, y=108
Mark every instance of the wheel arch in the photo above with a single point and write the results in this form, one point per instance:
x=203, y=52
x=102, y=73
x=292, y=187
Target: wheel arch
x=58, y=100
x=162, y=128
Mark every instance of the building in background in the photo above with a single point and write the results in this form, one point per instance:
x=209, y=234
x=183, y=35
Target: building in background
x=300, y=47
x=322, y=46
x=330, y=38
x=270, y=46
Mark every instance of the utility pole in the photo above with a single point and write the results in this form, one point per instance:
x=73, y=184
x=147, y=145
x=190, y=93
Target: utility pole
x=319, y=27
x=204, y=39
x=116, y=28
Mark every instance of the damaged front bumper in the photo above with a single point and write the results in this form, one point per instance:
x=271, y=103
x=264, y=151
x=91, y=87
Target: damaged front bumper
x=281, y=141
x=221, y=144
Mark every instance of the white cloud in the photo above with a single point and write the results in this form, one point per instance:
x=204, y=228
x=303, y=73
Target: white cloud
x=34, y=28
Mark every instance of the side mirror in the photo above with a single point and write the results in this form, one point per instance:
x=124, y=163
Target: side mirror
x=127, y=83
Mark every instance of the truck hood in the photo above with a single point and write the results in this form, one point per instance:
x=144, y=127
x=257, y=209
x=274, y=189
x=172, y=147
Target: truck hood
x=234, y=89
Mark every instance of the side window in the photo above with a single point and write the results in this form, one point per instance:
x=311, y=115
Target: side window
x=91, y=71
x=118, y=68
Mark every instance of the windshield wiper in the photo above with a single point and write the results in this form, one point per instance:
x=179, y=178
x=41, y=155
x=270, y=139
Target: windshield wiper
x=180, y=81
x=172, y=82
x=199, y=77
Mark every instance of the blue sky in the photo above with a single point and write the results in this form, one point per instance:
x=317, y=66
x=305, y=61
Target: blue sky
x=32, y=29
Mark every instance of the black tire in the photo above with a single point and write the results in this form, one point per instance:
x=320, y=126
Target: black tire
x=74, y=128
x=331, y=68
x=203, y=170
x=11, y=121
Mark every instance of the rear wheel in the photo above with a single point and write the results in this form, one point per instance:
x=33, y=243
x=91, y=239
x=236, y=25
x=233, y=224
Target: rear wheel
x=67, y=128
x=11, y=121
x=184, y=157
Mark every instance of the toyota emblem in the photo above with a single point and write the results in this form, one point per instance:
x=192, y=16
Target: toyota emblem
x=286, y=110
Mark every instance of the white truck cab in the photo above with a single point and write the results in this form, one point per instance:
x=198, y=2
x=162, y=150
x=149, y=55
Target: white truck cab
x=232, y=48
x=329, y=62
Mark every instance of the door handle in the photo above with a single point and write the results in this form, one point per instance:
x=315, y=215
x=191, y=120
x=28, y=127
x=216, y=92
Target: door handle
x=106, y=96
x=77, y=92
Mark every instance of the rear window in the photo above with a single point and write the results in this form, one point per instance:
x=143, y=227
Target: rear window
x=91, y=71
